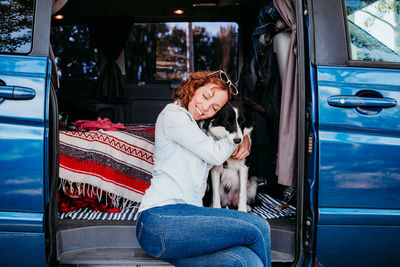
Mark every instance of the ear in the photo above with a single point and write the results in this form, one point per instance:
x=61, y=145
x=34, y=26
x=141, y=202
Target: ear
x=207, y=122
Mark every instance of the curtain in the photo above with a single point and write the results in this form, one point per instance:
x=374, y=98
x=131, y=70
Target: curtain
x=56, y=6
x=110, y=36
x=286, y=162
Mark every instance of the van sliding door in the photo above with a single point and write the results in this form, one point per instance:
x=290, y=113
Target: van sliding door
x=356, y=61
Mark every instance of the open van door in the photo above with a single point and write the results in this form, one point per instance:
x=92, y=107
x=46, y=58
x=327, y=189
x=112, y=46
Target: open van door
x=356, y=61
x=24, y=129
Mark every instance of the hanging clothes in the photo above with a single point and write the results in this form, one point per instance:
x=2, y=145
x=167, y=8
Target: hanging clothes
x=287, y=148
x=266, y=90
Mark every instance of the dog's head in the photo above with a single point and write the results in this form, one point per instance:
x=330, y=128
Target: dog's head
x=235, y=120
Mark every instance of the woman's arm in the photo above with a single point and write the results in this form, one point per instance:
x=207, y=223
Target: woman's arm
x=181, y=129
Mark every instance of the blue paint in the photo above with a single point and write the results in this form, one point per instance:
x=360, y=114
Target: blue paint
x=21, y=222
x=359, y=154
x=22, y=249
x=358, y=166
x=358, y=245
x=24, y=166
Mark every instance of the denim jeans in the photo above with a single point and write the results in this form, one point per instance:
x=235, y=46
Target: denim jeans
x=187, y=235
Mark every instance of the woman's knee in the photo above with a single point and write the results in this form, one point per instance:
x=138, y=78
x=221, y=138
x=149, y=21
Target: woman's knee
x=241, y=256
x=262, y=225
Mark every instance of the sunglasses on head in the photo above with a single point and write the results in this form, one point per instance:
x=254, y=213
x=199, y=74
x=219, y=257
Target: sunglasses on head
x=223, y=76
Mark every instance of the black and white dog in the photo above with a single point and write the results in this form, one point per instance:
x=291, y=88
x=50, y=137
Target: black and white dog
x=230, y=182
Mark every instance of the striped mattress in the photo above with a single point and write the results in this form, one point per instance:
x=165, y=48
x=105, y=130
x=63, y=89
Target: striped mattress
x=267, y=211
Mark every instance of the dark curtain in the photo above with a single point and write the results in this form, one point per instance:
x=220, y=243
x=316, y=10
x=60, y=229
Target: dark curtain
x=110, y=36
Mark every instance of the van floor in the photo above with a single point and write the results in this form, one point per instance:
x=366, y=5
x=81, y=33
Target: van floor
x=94, y=242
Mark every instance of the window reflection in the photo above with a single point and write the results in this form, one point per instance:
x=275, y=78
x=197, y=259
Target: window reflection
x=374, y=28
x=75, y=57
x=154, y=51
x=16, y=22
x=163, y=51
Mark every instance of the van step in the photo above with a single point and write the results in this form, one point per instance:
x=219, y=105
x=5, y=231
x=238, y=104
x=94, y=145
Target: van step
x=116, y=244
x=131, y=257
x=111, y=256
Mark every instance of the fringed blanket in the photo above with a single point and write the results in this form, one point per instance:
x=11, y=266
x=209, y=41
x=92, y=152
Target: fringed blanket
x=266, y=210
x=114, y=164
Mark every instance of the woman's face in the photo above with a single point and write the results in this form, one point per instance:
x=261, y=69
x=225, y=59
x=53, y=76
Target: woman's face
x=206, y=101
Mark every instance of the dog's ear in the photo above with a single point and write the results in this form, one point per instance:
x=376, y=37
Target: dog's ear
x=207, y=123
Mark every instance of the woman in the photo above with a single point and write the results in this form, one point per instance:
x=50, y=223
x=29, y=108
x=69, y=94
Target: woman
x=172, y=224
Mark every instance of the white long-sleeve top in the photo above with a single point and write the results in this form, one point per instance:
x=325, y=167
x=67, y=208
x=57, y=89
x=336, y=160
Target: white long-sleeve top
x=183, y=156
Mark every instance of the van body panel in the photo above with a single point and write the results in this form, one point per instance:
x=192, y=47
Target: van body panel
x=358, y=167
x=22, y=249
x=23, y=161
x=22, y=135
x=358, y=245
x=359, y=152
x=358, y=146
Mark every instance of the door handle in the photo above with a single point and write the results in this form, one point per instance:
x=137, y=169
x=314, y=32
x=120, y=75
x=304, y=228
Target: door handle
x=350, y=101
x=16, y=92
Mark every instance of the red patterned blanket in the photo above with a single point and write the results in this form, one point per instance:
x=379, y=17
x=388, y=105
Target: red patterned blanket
x=115, y=164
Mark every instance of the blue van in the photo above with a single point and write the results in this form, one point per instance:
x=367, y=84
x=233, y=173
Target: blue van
x=62, y=61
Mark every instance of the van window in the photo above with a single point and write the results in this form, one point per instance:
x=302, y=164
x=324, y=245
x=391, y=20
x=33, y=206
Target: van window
x=75, y=57
x=374, y=30
x=164, y=51
x=16, y=23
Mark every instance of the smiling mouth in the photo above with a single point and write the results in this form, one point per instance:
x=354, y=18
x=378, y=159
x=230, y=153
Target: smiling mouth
x=198, y=111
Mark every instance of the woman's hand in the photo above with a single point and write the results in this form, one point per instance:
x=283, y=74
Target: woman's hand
x=242, y=150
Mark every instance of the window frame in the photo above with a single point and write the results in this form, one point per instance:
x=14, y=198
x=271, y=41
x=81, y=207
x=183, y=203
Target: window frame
x=363, y=63
x=41, y=28
x=330, y=42
x=40, y=40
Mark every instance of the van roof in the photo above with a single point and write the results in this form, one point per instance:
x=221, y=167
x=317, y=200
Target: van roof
x=76, y=11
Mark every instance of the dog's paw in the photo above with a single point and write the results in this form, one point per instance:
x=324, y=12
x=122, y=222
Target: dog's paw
x=248, y=208
x=243, y=208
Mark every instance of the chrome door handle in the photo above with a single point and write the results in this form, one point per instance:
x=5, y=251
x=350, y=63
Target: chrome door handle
x=16, y=92
x=350, y=101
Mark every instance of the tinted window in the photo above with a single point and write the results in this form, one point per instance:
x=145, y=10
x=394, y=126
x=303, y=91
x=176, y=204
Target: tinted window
x=374, y=28
x=164, y=51
x=16, y=23
x=75, y=57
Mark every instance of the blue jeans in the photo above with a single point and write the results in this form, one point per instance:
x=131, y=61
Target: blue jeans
x=187, y=235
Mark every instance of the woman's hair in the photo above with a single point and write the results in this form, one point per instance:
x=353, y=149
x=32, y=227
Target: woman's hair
x=194, y=81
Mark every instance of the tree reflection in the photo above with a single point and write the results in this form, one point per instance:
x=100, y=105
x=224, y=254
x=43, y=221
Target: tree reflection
x=374, y=29
x=76, y=59
x=154, y=51
x=158, y=51
x=16, y=19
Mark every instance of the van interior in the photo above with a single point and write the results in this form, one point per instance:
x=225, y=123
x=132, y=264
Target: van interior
x=122, y=60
